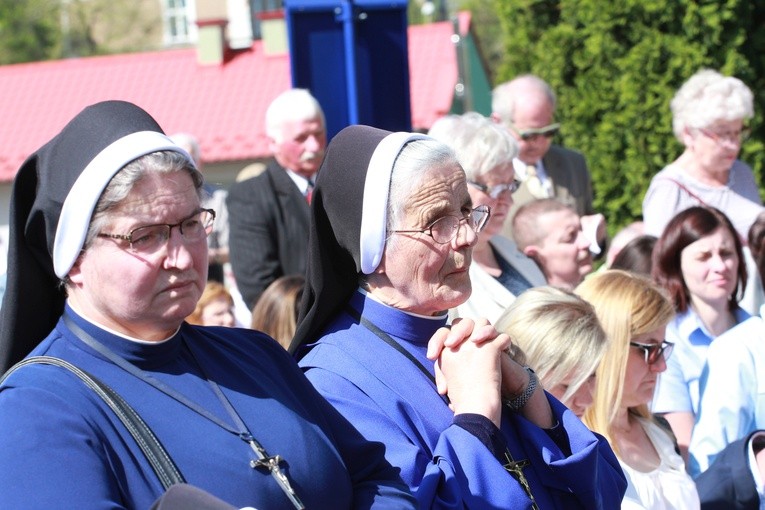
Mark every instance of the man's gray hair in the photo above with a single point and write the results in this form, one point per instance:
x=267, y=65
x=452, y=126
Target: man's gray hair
x=503, y=96
x=291, y=105
x=190, y=144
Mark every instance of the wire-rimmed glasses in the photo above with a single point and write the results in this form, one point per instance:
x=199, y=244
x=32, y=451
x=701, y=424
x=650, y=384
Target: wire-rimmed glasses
x=733, y=137
x=147, y=239
x=445, y=228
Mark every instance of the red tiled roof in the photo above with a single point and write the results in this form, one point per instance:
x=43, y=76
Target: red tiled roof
x=432, y=72
x=224, y=105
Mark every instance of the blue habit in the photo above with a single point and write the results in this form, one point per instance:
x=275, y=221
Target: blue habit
x=62, y=447
x=389, y=400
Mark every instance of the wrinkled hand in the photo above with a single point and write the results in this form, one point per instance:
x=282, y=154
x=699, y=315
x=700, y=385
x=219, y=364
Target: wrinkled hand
x=514, y=377
x=477, y=331
x=469, y=366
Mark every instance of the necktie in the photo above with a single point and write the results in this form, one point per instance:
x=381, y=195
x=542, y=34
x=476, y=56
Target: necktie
x=534, y=184
x=309, y=192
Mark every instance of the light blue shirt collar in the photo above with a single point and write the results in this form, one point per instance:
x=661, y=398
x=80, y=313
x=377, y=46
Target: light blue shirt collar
x=689, y=326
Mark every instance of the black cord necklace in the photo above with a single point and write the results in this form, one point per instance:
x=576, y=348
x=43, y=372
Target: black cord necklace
x=385, y=337
x=513, y=467
x=264, y=460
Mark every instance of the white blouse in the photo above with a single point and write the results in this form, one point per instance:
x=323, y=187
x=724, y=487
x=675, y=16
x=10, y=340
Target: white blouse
x=668, y=487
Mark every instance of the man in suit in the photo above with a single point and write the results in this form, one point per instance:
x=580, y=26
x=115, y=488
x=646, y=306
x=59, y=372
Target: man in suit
x=526, y=107
x=731, y=482
x=269, y=214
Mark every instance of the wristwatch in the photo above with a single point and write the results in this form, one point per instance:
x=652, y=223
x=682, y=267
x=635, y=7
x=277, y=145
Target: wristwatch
x=517, y=403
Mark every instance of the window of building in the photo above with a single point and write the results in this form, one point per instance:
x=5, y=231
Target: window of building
x=259, y=6
x=179, y=22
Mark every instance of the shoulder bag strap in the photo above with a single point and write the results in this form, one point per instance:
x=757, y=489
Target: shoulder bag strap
x=155, y=453
x=685, y=188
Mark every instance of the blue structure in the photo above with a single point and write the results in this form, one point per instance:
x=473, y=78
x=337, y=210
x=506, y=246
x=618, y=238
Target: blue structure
x=353, y=56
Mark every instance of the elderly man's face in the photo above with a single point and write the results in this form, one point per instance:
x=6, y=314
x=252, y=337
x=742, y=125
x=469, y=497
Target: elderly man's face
x=532, y=111
x=144, y=296
x=301, y=147
x=563, y=253
x=418, y=274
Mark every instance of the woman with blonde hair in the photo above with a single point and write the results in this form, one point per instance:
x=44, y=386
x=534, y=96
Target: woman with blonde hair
x=560, y=337
x=635, y=312
x=214, y=308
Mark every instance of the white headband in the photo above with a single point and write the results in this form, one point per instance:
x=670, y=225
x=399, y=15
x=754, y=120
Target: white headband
x=374, y=214
x=78, y=207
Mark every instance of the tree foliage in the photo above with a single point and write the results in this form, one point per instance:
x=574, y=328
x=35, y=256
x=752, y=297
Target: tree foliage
x=615, y=67
x=29, y=31
x=36, y=30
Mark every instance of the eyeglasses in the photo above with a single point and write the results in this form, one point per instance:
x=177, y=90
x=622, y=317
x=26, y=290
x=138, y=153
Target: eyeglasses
x=148, y=239
x=444, y=229
x=653, y=352
x=735, y=137
x=496, y=190
x=533, y=134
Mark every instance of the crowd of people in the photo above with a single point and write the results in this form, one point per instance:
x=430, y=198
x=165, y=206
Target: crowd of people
x=384, y=319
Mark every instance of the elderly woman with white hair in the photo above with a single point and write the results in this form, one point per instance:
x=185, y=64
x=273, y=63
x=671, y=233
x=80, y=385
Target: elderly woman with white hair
x=392, y=232
x=709, y=115
x=499, y=271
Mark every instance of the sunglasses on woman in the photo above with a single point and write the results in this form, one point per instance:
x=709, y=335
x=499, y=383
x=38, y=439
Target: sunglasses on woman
x=653, y=352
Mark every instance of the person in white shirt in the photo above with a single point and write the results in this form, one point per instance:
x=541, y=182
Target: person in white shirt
x=634, y=313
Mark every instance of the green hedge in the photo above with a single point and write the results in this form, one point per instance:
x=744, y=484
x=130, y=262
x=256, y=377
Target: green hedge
x=29, y=30
x=615, y=66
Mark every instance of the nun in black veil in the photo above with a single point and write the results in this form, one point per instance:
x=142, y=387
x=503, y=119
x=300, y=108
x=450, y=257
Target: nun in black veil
x=108, y=255
x=390, y=244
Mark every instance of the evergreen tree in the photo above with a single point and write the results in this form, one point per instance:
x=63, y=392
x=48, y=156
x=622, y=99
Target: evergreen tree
x=29, y=31
x=615, y=66
x=36, y=30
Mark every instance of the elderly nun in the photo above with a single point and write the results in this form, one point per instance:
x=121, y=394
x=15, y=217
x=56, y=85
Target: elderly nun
x=108, y=256
x=392, y=232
